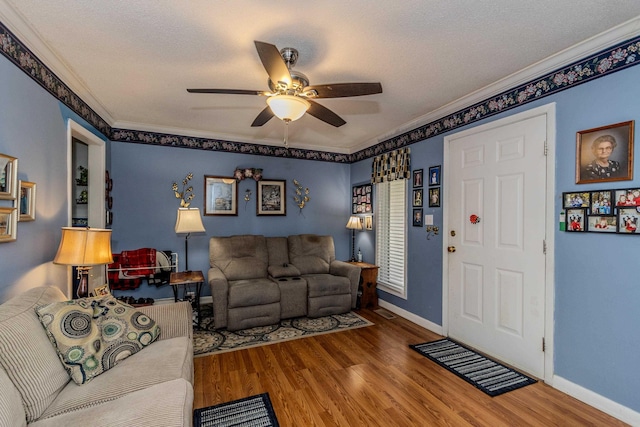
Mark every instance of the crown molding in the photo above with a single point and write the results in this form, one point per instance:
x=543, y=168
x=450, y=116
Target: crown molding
x=584, y=49
x=32, y=39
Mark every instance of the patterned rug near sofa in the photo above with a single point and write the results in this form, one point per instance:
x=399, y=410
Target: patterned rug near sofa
x=207, y=341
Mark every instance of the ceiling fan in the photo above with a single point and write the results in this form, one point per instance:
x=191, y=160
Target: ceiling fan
x=291, y=96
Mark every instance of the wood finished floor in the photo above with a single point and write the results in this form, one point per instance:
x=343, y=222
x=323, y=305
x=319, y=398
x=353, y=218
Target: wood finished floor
x=370, y=377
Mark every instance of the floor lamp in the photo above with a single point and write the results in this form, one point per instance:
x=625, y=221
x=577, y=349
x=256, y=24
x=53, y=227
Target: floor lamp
x=354, y=223
x=188, y=221
x=84, y=248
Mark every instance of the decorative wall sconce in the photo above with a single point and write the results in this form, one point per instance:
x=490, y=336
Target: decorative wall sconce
x=302, y=195
x=432, y=230
x=247, y=197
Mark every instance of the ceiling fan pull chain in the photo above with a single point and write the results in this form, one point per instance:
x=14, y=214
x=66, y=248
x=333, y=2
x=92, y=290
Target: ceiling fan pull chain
x=286, y=134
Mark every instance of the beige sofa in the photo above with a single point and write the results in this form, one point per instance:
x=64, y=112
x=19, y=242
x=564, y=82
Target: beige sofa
x=150, y=388
x=257, y=280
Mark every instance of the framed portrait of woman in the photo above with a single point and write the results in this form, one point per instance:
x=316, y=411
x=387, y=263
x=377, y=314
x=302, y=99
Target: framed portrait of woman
x=605, y=154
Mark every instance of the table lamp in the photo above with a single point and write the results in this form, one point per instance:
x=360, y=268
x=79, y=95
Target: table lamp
x=83, y=248
x=355, y=223
x=188, y=221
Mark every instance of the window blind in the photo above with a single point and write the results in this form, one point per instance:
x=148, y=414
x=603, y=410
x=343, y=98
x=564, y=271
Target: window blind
x=391, y=235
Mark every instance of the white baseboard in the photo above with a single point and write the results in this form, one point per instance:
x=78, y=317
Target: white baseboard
x=602, y=403
x=427, y=324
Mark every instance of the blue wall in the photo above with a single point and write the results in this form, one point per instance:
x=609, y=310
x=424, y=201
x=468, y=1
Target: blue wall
x=145, y=208
x=33, y=130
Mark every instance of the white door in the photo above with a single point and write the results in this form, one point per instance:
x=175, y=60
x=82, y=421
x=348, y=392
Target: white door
x=497, y=272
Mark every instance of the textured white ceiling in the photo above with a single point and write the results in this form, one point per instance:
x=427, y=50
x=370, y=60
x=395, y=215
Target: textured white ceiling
x=132, y=60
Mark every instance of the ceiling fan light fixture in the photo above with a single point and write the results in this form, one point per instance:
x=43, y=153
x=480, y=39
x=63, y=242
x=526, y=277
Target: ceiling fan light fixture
x=288, y=107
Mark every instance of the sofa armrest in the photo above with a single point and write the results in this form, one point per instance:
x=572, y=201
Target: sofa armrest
x=351, y=272
x=174, y=319
x=219, y=286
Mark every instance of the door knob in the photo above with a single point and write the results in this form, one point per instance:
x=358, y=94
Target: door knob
x=451, y=249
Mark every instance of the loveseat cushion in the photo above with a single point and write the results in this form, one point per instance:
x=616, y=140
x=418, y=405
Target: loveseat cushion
x=26, y=354
x=320, y=285
x=165, y=404
x=243, y=293
x=160, y=362
x=310, y=253
x=11, y=410
x=92, y=335
x=239, y=257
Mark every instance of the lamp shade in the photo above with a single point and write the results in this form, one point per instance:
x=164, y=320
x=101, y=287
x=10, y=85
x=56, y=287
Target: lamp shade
x=84, y=247
x=189, y=221
x=354, y=223
x=288, y=107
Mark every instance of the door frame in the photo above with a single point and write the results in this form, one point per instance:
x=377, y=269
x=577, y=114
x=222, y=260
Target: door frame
x=97, y=161
x=548, y=110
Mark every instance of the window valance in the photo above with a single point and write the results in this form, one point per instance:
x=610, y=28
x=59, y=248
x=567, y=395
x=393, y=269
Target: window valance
x=391, y=166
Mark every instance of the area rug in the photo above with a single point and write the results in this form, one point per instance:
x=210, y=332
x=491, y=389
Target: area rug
x=254, y=411
x=491, y=377
x=207, y=340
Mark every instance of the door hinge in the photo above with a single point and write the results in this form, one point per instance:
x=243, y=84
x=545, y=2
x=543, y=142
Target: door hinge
x=543, y=345
x=544, y=247
x=545, y=147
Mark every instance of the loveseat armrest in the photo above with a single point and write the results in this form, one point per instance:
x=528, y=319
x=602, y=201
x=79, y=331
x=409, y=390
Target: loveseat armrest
x=351, y=272
x=174, y=319
x=219, y=286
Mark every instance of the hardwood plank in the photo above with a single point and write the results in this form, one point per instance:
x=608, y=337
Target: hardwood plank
x=369, y=376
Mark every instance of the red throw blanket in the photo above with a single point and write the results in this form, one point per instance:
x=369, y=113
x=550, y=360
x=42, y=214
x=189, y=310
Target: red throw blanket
x=130, y=267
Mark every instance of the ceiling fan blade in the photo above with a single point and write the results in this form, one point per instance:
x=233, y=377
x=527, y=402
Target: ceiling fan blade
x=262, y=118
x=273, y=63
x=229, y=91
x=341, y=90
x=323, y=113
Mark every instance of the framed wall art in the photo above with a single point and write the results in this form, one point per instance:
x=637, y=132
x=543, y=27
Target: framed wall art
x=575, y=219
x=362, y=199
x=8, y=177
x=602, y=224
x=27, y=201
x=602, y=211
x=417, y=217
x=220, y=195
x=418, y=196
x=271, y=198
x=434, y=197
x=8, y=224
x=576, y=200
x=417, y=178
x=434, y=176
x=605, y=153
x=628, y=220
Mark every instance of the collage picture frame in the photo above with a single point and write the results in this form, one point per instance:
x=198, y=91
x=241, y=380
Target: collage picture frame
x=362, y=199
x=603, y=211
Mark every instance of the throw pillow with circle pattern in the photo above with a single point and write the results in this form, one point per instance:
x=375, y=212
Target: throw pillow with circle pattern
x=91, y=335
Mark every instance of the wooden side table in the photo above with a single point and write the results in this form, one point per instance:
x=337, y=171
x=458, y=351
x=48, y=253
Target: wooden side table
x=185, y=279
x=368, y=282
